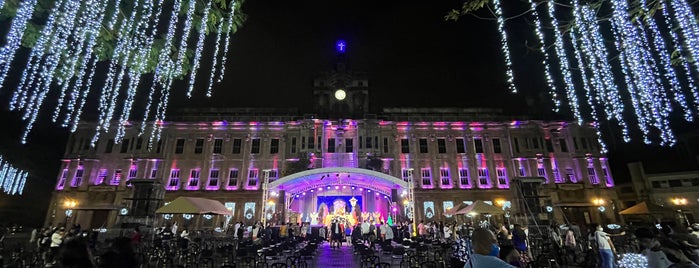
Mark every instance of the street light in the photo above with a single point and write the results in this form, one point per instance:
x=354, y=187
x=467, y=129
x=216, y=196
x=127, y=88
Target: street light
x=680, y=202
x=599, y=202
x=69, y=205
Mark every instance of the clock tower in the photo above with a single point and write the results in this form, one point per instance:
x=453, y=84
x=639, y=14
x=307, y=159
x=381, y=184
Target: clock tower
x=340, y=92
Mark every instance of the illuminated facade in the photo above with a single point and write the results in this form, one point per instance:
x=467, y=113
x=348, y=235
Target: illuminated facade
x=342, y=161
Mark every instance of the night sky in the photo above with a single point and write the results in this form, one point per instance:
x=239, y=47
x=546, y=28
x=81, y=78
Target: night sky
x=413, y=57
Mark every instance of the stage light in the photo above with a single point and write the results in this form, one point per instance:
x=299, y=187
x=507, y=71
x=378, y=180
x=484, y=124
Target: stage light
x=328, y=187
x=353, y=187
x=344, y=187
x=361, y=189
x=337, y=187
x=312, y=190
x=320, y=189
x=304, y=193
x=368, y=191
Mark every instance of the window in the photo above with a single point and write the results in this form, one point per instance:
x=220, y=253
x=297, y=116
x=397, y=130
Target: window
x=478, y=143
x=78, y=179
x=445, y=176
x=575, y=143
x=460, y=147
x=311, y=144
x=253, y=177
x=496, y=146
x=541, y=172
x=516, y=145
x=535, y=143
x=218, y=146
x=320, y=143
x=404, y=146
x=179, y=146
x=564, y=146
x=675, y=183
x=556, y=175
x=423, y=146
x=483, y=176
x=361, y=142
x=368, y=142
x=237, y=145
x=153, y=173
x=426, y=177
x=608, y=178
x=160, y=146
x=385, y=145
x=232, y=178
x=199, y=146
x=656, y=184
x=193, y=179
x=570, y=175
x=376, y=142
x=583, y=141
x=303, y=143
x=293, y=145
x=463, y=178
x=255, y=147
x=117, y=177
x=549, y=146
x=273, y=175
x=592, y=175
x=406, y=174
x=62, y=180
x=349, y=145
x=442, y=146
x=110, y=146
x=174, y=182
x=124, y=146
x=213, y=178
x=522, y=171
x=274, y=146
x=132, y=173
x=139, y=143
x=101, y=176
x=331, y=145
x=502, y=176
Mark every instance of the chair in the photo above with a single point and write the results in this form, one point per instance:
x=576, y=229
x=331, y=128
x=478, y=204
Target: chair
x=296, y=262
x=397, y=254
x=279, y=265
x=370, y=261
x=383, y=265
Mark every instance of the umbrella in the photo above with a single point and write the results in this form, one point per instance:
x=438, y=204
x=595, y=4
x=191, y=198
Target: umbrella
x=454, y=209
x=480, y=207
x=645, y=208
x=194, y=205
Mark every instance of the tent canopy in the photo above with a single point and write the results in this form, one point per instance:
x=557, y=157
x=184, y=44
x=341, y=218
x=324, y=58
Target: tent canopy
x=194, y=205
x=480, y=207
x=454, y=209
x=644, y=208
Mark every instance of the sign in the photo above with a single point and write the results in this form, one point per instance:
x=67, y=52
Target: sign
x=341, y=46
x=570, y=187
x=102, y=188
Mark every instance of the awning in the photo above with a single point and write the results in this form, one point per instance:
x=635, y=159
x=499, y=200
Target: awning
x=644, y=208
x=454, y=209
x=480, y=207
x=194, y=205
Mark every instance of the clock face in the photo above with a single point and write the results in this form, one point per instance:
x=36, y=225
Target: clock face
x=340, y=94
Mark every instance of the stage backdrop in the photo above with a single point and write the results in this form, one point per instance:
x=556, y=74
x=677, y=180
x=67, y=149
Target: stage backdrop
x=330, y=200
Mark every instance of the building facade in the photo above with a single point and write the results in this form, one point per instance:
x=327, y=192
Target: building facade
x=398, y=163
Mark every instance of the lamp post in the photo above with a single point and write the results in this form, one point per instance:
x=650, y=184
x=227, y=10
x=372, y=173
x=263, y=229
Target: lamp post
x=680, y=202
x=69, y=205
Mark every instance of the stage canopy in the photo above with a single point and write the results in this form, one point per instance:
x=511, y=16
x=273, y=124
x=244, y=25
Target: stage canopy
x=453, y=210
x=194, y=205
x=645, y=208
x=480, y=207
x=338, y=176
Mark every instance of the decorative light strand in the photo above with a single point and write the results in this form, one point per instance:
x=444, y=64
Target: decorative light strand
x=14, y=37
x=505, y=46
x=226, y=43
x=151, y=91
x=564, y=64
x=199, y=48
x=215, y=57
x=185, y=36
x=12, y=180
x=677, y=44
x=542, y=48
x=689, y=27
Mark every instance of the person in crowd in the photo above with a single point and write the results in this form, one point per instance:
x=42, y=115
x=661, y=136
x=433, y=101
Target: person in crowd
x=76, y=254
x=236, y=227
x=504, y=236
x=510, y=255
x=336, y=234
x=605, y=246
x=119, y=255
x=421, y=229
x=389, y=234
x=56, y=241
x=570, y=245
x=136, y=237
x=446, y=230
x=652, y=249
x=382, y=231
x=174, y=228
x=485, y=251
x=365, y=231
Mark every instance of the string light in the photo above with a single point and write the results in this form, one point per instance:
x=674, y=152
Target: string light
x=542, y=49
x=12, y=180
x=677, y=44
x=505, y=46
x=226, y=43
x=199, y=48
x=633, y=260
x=63, y=60
x=215, y=57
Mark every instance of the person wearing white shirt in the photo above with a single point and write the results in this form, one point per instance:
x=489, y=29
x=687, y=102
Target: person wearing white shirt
x=447, y=232
x=235, y=230
x=606, y=248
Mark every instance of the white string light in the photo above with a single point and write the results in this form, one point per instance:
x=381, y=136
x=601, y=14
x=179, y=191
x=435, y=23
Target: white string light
x=545, y=61
x=199, y=49
x=14, y=37
x=12, y=180
x=226, y=43
x=505, y=46
x=215, y=57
